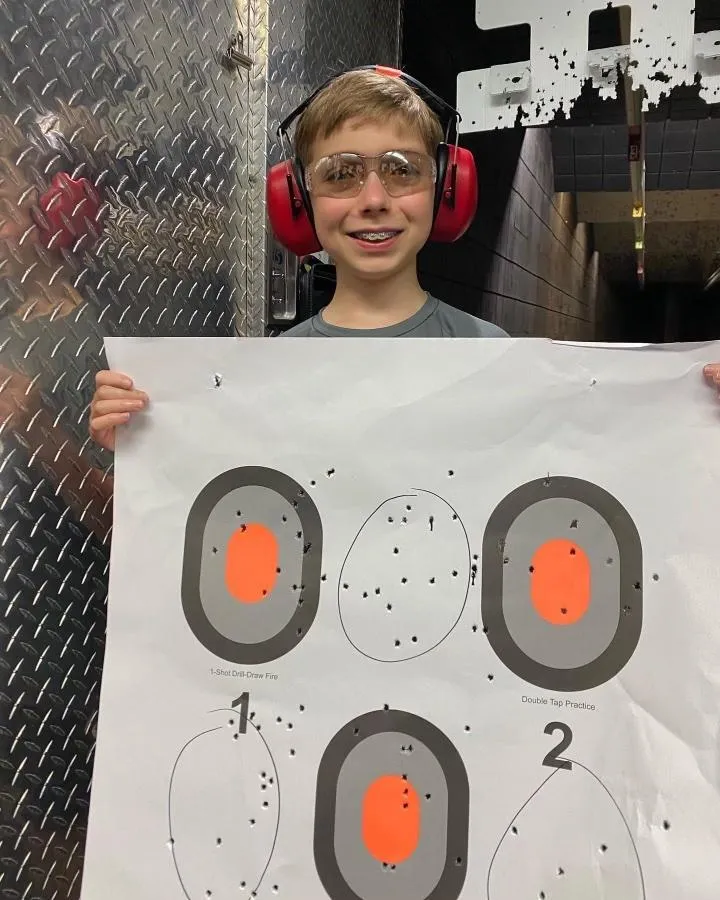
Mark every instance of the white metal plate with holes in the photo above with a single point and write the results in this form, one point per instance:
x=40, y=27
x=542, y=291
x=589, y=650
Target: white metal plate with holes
x=663, y=53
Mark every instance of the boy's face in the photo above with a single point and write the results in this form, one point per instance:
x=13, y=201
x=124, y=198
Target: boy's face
x=340, y=221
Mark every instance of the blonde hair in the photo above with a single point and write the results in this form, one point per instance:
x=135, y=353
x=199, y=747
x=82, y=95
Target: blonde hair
x=370, y=97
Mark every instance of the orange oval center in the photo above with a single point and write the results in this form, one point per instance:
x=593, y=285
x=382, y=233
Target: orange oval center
x=391, y=819
x=560, y=582
x=251, y=562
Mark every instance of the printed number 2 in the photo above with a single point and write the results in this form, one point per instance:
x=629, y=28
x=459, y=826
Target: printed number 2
x=553, y=759
x=243, y=701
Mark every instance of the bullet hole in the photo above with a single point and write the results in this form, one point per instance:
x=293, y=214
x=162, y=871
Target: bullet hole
x=485, y=629
x=396, y=550
x=386, y=707
x=239, y=513
x=432, y=580
x=637, y=585
x=208, y=893
x=214, y=549
x=609, y=561
x=603, y=848
x=218, y=379
x=414, y=639
x=458, y=861
x=345, y=587
x=560, y=871
x=403, y=581
x=531, y=569
x=506, y=560
x=450, y=473
x=514, y=829
x=284, y=518
x=218, y=841
x=467, y=729
x=563, y=610
x=330, y=473
x=541, y=895
x=626, y=610
x=666, y=825
x=546, y=480
x=432, y=520
x=428, y=796
x=573, y=551
x=301, y=708
x=323, y=578
x=656, y=577
x=252, y=823
x=377, y=591
x=313, y=483
x=454, y=574
x=491, y=677
x=292, y=752
x=389, y=607
x=390, y=519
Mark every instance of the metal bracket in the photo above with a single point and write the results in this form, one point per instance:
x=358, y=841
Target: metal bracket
x=707, y=46
x=235, y=57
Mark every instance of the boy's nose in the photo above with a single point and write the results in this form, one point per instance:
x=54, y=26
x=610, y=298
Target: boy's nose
x=373, y=194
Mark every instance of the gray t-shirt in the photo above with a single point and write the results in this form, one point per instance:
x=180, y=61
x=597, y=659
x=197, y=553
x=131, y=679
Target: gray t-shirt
x=434, y=319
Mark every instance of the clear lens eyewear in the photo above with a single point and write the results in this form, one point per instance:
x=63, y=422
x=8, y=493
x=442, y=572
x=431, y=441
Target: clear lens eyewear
x=401, y=172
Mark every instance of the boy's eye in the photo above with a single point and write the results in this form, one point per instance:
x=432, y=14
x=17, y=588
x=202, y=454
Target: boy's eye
x=340, y=170
x=399, y=166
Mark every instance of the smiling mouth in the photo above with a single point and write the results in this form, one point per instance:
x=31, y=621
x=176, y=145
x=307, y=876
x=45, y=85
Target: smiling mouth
x=374, y=237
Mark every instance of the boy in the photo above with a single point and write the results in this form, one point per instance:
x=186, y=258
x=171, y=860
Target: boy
x=373, y=228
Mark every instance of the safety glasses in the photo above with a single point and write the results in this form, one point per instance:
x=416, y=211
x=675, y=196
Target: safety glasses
x=344, y=175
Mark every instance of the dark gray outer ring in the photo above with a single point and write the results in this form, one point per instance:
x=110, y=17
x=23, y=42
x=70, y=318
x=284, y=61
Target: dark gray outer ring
x=303, y=617
x=453, y=875
x=620, y=650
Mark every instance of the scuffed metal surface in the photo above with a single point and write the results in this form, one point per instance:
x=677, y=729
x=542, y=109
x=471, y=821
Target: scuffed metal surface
x=663, y=53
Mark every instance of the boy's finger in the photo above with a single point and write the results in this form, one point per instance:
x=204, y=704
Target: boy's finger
x=100, y=423
x=108, y=407
x=113, y=379
x=106, y=392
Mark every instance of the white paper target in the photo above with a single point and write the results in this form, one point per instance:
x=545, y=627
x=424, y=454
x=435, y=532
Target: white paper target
x=405, y=580
x=224, y=807
x=594, y=856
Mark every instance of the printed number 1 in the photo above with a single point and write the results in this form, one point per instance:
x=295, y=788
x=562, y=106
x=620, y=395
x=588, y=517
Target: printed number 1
x=243, y=701
x=553, y=759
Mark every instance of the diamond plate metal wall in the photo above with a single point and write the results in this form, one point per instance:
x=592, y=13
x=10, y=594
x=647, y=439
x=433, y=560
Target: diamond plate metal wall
x=131, y=96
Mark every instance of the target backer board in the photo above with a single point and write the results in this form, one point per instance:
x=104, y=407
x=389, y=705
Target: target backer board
x=421, y=619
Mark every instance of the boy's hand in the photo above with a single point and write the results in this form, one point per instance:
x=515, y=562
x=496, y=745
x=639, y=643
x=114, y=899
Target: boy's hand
x=114, y=401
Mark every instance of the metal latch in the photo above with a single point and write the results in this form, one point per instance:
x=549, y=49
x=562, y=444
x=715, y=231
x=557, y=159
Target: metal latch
x=235, y=57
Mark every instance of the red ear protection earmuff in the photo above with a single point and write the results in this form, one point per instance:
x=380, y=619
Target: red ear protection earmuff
x=68, y=211
x=456, y=190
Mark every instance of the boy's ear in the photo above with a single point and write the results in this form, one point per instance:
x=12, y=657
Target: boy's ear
x=289, y=209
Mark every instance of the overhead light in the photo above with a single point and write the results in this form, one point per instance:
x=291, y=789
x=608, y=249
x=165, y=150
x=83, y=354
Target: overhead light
x=639, y=245
x=638, y=211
